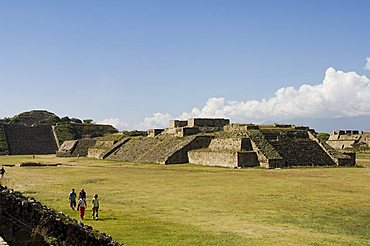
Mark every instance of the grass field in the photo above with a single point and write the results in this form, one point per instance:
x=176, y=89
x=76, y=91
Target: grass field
x=148, y=204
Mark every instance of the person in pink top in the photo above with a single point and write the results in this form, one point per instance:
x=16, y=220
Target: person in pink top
x=81, y=207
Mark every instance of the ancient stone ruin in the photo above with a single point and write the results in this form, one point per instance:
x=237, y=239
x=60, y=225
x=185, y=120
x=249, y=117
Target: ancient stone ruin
x=24, y=221
x=348, y=139
x=76, y=148
x=37, y=132
x=216, y=142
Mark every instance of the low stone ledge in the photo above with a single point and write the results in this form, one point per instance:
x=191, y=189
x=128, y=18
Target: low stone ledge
x=37, y=164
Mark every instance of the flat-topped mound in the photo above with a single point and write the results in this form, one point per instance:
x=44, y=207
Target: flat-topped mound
x=35, y=117
x=164, y=149
x=230, y=145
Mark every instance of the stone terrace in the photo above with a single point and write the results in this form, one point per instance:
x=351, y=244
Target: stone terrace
x=30, y=139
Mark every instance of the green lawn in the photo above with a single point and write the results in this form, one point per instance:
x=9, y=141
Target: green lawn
x=149, y=204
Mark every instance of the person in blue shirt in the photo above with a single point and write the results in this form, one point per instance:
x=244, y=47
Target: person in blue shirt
x=72, y=199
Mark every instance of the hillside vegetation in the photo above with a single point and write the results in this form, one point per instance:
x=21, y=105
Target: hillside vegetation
x=71, y=131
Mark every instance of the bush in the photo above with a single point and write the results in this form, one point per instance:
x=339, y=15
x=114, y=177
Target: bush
x=323, y=136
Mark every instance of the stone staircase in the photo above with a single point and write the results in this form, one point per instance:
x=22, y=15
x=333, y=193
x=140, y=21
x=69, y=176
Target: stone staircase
x=268, y=156
x=297, y=149
x=30, y=139
x=161, y=149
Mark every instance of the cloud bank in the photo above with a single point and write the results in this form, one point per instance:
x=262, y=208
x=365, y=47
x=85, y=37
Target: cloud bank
x=341, y=94
x=367, y=66
x=117, y=123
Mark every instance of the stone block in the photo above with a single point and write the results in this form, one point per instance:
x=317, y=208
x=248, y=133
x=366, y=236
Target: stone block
x=154, y=132
x=236, y=144
x=210, y=122
x=177, y=123
x=223, y=158
x=186, y=131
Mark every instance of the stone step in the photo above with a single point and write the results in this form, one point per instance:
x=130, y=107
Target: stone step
x=2, y=242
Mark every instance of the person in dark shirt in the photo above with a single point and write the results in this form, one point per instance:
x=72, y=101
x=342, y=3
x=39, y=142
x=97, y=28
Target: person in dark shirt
x=72, y=199
x=82, y=194
x=2, y=172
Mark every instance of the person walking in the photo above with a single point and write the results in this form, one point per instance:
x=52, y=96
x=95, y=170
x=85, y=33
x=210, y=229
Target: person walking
x=81, y=207
x=82, y=194
x=72, y=199
x=2, y=172
x=95, y=207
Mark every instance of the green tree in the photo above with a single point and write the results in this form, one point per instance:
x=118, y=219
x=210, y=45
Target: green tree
x=323, y=136
x=88, y=121
x=75, y=120
x=65, y=119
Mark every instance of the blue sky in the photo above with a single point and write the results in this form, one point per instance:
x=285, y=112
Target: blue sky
x=127, y=60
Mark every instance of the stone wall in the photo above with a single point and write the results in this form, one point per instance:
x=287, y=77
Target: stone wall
x=75, y=148
x=66, y=149
x=24, y=221
x=3, y=142
x=211, y=122
x=240, y=127
x=95, y=152
x=214, y=158
x=83, y=146
x=24, y=140
x=223, y=158
x=341, y=144
x=177, y=123
x=248, y=159
x=154, y=132
x=226, y=152
x=236, y=144
x=181, y=154
x=186, y=131
x=341, y=139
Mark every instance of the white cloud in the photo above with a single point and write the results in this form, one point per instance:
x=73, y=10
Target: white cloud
x=157, y=120
x=117, y=123
x=341, y=94
x=367, y=66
